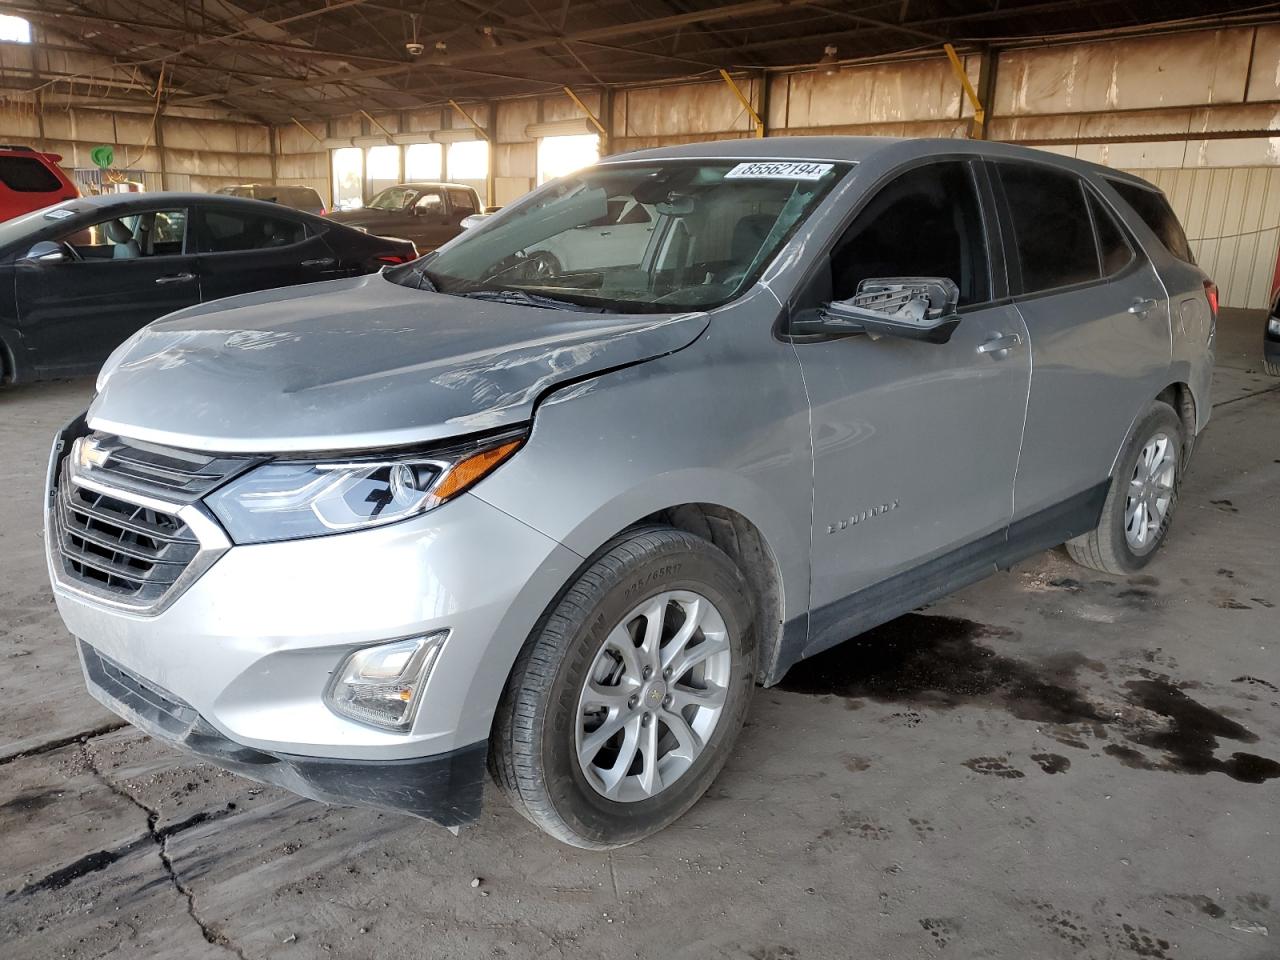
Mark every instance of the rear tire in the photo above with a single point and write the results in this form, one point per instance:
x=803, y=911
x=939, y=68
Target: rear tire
x=1139, y=506
x=610, y=659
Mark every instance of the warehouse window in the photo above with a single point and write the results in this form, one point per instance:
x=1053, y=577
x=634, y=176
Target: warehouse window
x=469, y=160
x=558, y=156
x=468, y=163
x=381, y=168
x=422, y=162
x=14, y=29
x=348, y=178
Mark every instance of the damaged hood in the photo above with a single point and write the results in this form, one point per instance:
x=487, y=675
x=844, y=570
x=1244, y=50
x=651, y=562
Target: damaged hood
x=357, y=364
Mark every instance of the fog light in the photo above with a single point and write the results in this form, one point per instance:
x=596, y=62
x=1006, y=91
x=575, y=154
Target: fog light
x=1273, y=326
x=382, y=685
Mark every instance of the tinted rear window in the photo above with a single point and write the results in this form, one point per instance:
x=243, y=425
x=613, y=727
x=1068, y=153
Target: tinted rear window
x=27, y=175
x=1054, y=243
x=1112, y=245
x=1156, y=213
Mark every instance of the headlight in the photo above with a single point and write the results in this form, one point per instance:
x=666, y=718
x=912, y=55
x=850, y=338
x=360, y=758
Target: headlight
x=286, y=500
x=383, y=685
x=1273, y=326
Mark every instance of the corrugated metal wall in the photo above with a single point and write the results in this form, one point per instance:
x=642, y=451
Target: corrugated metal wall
x=1231, y=216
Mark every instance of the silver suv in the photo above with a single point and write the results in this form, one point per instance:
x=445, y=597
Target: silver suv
x=524, y=506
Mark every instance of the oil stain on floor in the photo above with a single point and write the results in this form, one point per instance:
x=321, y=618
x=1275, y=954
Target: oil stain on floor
x=938, y=662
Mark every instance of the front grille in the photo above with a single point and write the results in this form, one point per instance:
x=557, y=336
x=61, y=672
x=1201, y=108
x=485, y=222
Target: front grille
x=181, y=476
x=117, y=548
x=148, y=701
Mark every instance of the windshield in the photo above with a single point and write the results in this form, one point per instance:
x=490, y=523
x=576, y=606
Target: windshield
x=393, y=198
x=654, y=237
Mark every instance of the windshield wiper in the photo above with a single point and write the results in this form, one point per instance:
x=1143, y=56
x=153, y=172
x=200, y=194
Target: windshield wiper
x=526, y=299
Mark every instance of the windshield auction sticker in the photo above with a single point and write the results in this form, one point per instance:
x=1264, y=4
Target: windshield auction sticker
x=779, y=170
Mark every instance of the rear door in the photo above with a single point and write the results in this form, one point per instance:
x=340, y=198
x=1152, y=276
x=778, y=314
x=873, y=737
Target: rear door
x=242, y=250
x=74, y=313
x=1098, y=321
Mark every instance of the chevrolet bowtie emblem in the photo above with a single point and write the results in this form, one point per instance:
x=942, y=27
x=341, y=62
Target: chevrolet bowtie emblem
x=89, y=455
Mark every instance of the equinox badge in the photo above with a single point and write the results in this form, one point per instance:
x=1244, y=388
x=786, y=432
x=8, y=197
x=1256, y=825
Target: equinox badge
x=862, y=515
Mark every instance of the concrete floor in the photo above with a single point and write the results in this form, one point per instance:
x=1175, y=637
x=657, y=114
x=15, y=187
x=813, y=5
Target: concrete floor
x=1050, y=764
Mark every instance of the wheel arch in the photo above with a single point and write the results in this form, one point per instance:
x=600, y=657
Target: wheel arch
x=729, y=529
x=1181, y=397
x=744, y=543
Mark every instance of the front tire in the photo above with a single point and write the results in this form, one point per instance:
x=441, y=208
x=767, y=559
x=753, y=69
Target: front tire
x=1139, y=506
x=624, y=703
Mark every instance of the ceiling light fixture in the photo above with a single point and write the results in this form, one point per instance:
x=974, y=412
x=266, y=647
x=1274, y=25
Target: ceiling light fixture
x=829, y=61
x=490, y=37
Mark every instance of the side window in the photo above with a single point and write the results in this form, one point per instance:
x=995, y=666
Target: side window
x=463, y=201
x=1154, y=209
x=156, y=233
x=926, y=223
x=1113, y=248
x=27, y=175
x=430, y=205
x=223, y=232
x=1053, y=239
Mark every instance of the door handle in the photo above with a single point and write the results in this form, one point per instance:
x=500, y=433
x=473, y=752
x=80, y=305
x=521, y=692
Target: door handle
x=1142, y=306
x=176, y=278
x=318, y=262
x=998, y=347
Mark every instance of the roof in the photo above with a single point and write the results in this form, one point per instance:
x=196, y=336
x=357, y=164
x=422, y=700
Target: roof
x=106, y=201
x=851, y=149
x=275, y=60
x=860, y=149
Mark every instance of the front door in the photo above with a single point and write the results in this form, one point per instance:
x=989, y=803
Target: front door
x=915, y=444
x=1098, y=320
x=241, y=251
x=120, y=275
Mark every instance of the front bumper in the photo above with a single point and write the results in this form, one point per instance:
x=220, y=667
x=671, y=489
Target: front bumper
x=248, y=648
x=445, y=788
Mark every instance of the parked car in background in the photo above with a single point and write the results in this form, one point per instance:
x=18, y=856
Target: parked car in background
x=429, y=214
x=300, y=198
x=30, y=180
x=484, y=512
x=77, y=278
x=1271, y=338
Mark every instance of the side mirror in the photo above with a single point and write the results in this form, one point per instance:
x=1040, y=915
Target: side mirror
x=474, y=220
x=46, y=251
x=913, y=308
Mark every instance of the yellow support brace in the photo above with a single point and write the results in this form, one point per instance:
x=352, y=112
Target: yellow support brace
x=755, y=117
x=604, y=134
x=385, y=132
x=979, y=115
x=307, y=130
x=470, y=119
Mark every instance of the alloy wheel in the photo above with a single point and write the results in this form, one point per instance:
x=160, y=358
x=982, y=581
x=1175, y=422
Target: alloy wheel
x=653, y=696
x=1150, y=493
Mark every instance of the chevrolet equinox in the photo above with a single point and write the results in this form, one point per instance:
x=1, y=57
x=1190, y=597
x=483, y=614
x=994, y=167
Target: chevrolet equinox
x=499, y=509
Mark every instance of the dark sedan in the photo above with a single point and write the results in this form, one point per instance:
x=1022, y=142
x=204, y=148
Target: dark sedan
x=429, y=214
x=78, y=278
